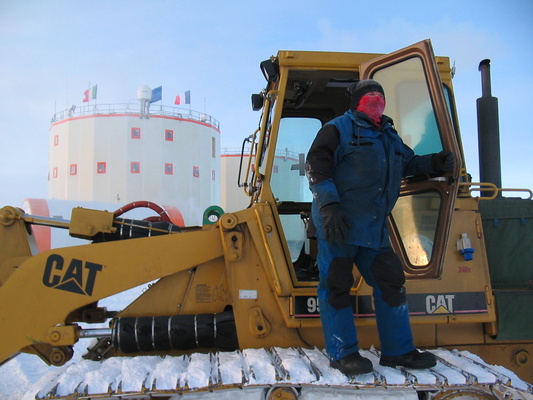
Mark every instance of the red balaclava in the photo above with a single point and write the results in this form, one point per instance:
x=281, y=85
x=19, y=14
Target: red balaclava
x=364, y=97
x=372, y=104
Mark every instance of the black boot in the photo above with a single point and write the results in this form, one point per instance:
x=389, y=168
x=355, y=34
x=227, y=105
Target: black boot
x=353, y=364
x=414, y=359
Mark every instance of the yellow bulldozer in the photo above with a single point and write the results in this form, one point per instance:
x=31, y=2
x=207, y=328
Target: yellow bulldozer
x=232, y=310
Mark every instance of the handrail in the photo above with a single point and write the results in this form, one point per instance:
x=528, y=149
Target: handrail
x=490, y=187
x=285, y=154
x=248, y=187
x=134, y=108
x=517, y=190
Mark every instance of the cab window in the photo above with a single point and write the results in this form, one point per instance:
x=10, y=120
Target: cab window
x=289, y=183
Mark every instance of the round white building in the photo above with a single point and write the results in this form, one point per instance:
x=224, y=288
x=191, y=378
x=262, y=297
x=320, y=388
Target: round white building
x=116, y=153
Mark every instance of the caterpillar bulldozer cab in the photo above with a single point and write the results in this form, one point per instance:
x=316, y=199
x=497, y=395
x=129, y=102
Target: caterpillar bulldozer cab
x=246, y=283
x=309, y=90
x=312, y=90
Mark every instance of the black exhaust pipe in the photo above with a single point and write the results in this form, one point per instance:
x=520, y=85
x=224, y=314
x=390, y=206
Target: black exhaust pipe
x=488, y=131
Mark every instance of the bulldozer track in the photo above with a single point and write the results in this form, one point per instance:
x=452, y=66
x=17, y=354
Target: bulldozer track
x=279, y=373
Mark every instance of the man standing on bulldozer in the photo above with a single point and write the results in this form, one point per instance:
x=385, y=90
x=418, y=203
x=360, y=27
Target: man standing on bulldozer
x=355, y=167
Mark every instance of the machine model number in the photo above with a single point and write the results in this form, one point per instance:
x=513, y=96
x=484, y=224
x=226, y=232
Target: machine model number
x=306, y=306
x=75, y=276
x=312, y=305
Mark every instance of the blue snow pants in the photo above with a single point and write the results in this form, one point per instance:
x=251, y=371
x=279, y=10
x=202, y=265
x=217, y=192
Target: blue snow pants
x=337, y=315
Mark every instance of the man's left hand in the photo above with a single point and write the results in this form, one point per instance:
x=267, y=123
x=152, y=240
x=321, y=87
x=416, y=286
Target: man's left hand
x=443, y=161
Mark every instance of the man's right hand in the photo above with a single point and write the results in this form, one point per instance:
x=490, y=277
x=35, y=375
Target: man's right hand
x=336, y=224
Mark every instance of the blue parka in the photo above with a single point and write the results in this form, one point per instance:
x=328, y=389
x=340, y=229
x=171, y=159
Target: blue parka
x=360, y=166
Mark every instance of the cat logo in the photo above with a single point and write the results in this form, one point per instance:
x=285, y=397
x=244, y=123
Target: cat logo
x=78, y=277
x=439, y=304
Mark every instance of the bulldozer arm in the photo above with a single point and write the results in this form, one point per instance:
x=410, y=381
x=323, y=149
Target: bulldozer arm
x=38, y=293
x=234, y=266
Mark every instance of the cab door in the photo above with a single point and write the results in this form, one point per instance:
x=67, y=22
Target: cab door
x=420, y=222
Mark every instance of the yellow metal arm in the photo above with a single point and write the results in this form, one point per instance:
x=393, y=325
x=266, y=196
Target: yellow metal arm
x=41, y=291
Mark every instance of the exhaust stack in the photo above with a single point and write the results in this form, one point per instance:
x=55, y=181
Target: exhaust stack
x=488, y=130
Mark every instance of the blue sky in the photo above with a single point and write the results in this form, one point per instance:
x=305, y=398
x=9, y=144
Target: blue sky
x=51, y=50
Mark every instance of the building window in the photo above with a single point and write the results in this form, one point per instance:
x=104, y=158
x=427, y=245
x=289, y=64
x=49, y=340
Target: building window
x=54, y=173
x=213, y=175
x=100, y=168
x=73, y=169
x=195, y=171
x=135, y=133
x=56, y=140
x=213, y=147
x=169, y=135
x=169, y=169
x=135, y=167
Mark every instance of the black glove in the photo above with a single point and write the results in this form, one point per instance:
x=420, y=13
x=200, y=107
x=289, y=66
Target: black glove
x=336, y=224
x=443, y=161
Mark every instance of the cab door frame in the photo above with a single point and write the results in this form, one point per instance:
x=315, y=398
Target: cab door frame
x=446, y=185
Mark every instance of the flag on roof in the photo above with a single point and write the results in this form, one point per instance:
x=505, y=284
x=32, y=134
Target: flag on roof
x=157, y=94
x=184, y=98
x=90, y=94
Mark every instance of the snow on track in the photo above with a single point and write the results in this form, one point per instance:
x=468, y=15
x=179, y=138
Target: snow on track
x=246, y=371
